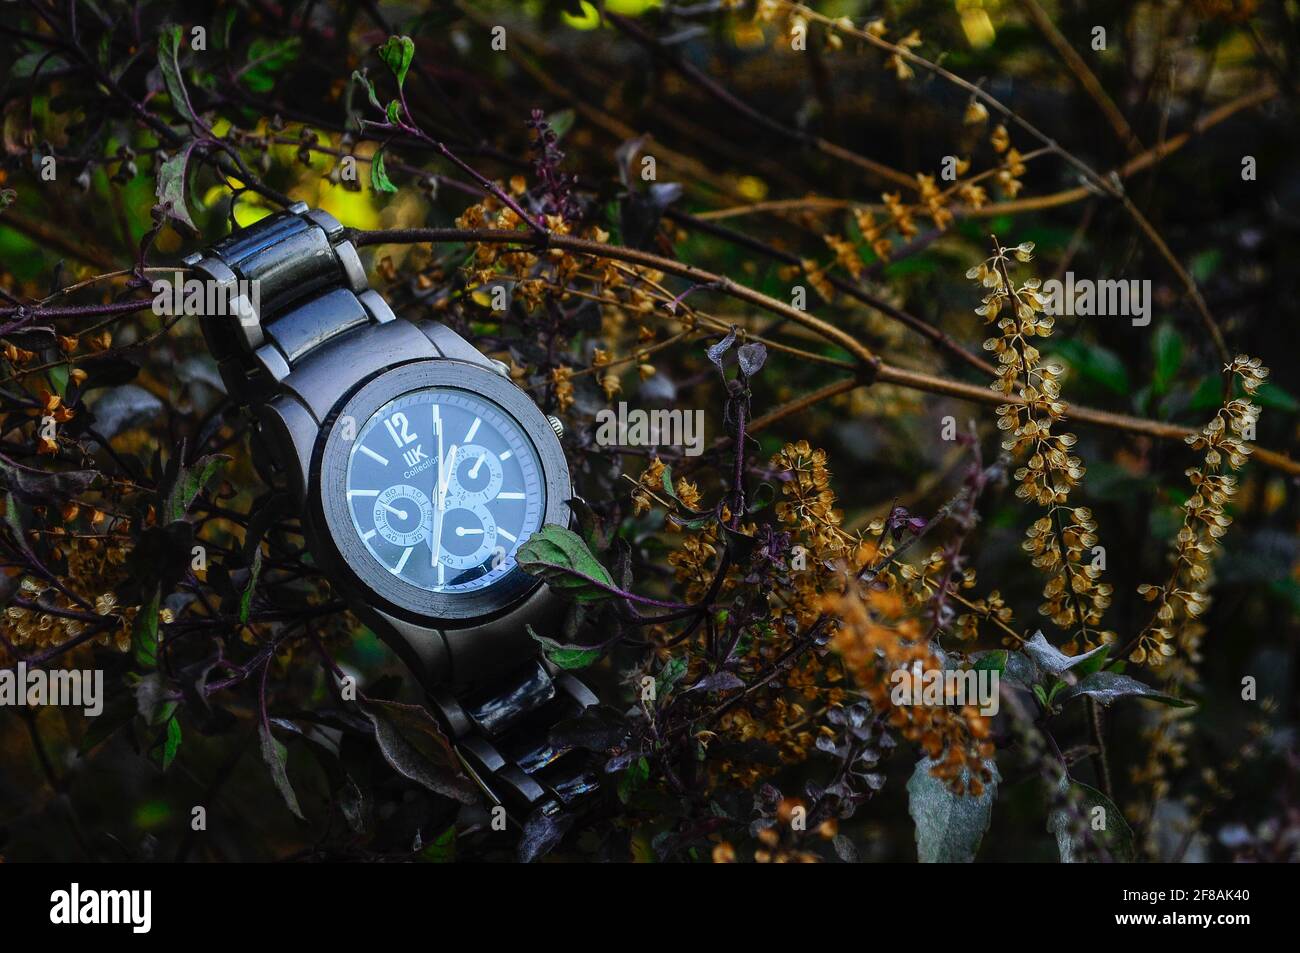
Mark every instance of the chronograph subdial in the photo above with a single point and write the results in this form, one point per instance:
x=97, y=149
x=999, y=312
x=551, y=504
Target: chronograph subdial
x=476, y=475
x=403, y=515
x=469, y=536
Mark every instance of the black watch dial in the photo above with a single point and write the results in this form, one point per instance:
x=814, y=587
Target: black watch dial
x=443, y=486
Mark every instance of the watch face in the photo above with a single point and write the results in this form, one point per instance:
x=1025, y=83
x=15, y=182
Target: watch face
x=428, y=478
x=442, y=487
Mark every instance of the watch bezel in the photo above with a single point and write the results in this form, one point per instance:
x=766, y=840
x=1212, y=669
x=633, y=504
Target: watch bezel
x=362, y=572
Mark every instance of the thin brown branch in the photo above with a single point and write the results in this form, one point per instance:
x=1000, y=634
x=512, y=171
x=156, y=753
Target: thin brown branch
x=872, y=368
x=634, y=256
x=1085, y=77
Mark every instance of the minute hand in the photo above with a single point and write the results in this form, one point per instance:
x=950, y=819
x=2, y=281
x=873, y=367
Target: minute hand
x=438, y=511
x=435, y=541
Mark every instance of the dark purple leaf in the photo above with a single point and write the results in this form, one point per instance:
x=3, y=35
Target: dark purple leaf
x=751, y=357
x=172, y=188
x=276, y=756
x=716, y=351
x=123, y=408
x=718, y=682
x=38, y=486
x=845, y=850
x=415, y=746
x=542, y=833
x=597, y=728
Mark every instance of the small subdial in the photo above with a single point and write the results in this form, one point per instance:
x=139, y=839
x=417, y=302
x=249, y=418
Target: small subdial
x=469, y=535
x=403, y=515
x=475, y=476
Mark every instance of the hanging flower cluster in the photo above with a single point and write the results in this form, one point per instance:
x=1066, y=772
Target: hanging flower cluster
x=1061, y=542
x=1185, y=596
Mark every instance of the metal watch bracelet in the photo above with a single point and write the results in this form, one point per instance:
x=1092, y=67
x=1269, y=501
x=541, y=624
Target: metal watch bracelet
x=297, y=293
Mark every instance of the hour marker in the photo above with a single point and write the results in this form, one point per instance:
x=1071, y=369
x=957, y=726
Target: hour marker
x=401, y=563
x=510, y=495
x=352, y=493
x=442, y=573
x=473, y=429
x=366, y=536
x=504, y=455
x=372, y=455
x=507, y=534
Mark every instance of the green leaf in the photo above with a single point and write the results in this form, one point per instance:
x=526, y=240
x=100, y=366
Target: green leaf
x=144, y=634
x=166, y=709
x=411, y=741
x=189, y=482
x=246, y=597
x=1208, y=394
x=172, y=743
x=169, y=46
x=1093, y=661
x=172, y=190
x=227, y=23
x=1205, y=264
x=916, y=265
x=151, y=703
x=1108, y=687
x=1056, y=689
x=359, y=76
x=266, y=60
x=1168, y=348
x=1041, y=694
x=670, y=675
x=1095, y=363
x=394, y=112
x=1273, y=397
x=560, y=122
x=397, y=52
x=25, y=66
x=573, y=658
x=559, y=556
x=276, y=756
x=379, y=180
x=667, y=479
x=995, y=661
x=1105, y=819
x=59, y=379
x=637, y=773
x=949, y=827
x=569, y=657
x=442, y=849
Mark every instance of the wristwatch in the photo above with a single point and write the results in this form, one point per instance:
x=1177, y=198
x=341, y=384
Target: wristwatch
x=419, y=468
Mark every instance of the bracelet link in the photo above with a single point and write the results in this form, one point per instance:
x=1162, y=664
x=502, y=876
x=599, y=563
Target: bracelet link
x=292, y=282
x=502, y=734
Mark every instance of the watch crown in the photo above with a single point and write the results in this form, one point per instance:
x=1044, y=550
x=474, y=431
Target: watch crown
x=556, y=424
x=501, y=367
